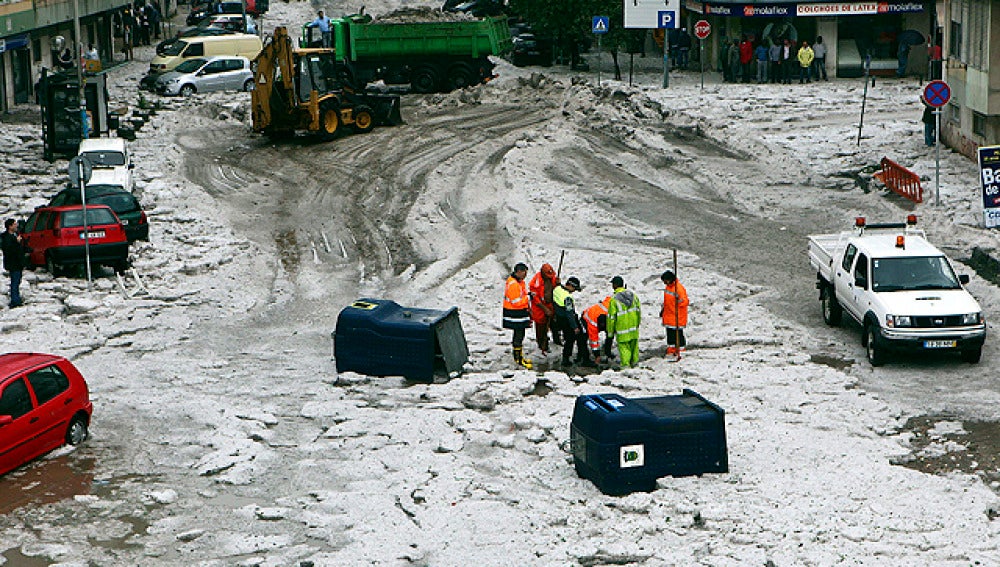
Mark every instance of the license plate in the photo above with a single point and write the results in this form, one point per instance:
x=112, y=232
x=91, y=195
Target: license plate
x=94, y=234
x=940, y=344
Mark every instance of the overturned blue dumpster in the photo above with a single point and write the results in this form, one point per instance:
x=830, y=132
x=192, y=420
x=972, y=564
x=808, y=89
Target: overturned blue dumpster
x=379, y=337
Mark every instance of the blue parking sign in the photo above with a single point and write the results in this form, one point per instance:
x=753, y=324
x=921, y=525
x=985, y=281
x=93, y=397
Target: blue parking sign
x=666, y=19
x=600, y=24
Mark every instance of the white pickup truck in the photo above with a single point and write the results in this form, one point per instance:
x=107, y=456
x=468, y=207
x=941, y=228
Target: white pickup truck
x=901, y=289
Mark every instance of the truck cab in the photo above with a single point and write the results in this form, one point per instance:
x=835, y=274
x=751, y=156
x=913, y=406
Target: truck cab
x=901, y=289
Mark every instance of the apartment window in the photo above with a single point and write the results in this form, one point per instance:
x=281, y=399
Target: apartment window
x=977, y=29
x=955, y=113
x=36, y=50
x=958, y=15
x=979, y=124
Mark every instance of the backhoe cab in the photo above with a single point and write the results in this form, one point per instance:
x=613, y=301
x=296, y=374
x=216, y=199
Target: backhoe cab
x=309, y=90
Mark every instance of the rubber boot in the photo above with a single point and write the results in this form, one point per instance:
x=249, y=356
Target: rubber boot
x=519, y=358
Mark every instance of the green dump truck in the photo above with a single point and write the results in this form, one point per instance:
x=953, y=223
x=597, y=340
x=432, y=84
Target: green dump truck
x=434, y=56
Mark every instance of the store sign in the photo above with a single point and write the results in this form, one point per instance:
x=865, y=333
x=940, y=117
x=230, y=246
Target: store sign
x=857, y=8
x=12, y=43
x=989, y=174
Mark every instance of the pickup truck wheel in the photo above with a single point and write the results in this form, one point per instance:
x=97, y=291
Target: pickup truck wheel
x=972, y=355
x=875, y=352
x=832, y=311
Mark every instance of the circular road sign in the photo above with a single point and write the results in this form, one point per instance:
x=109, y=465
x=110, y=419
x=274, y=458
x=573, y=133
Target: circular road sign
x=77, y=164
x=937, y=93
x=702, y=28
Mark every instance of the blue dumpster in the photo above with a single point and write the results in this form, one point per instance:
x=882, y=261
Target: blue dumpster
x=623, y=445
x=379, y=337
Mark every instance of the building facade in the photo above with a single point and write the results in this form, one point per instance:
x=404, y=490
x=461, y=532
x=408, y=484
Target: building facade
x=972, y=70
x=28, y=29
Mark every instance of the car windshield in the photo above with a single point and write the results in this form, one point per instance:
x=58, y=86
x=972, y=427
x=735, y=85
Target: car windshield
x=190, y=66
x=107, y=158
x=175, y=48
x=95, y=215
x=911, y=274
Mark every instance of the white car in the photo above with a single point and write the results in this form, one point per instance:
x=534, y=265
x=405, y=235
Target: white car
x=111, y=161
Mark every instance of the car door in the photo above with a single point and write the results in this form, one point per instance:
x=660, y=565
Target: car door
x=51, y=389
x=232, y=77
x=861, y=278
x=40, y=236
x=18, y=441
x=212, y=76
x=843, y=280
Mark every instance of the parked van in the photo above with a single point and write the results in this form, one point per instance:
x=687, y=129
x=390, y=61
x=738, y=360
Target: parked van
x=238, y=44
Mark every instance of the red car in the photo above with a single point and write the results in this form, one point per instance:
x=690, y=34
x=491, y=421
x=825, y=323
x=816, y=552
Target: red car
x=44, y=403
x=54, y=237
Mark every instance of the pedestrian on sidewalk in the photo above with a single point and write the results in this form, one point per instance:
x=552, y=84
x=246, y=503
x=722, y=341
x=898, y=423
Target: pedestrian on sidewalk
x=762, y=54
x=774, y=58
x=930, y=123
x=516, y=313
x=624, y=316
x=805, y=58
x=13, y=260
x=746, y=59
x=674, y=312
x=787, y=59
x=819, y=60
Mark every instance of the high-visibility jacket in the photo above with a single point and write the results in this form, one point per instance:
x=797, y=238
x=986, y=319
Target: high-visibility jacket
x=515, y=305
x=541, y=287
x=806, y=56
x=675, y=305
x=624, y=315
x=563, y=300
x=591, y=316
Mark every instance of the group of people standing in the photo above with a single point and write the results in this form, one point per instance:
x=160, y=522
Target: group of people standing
x=774, y=61
x=548, y=303
x=138, y=24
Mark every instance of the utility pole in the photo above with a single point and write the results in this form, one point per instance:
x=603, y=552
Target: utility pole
x=78, y=45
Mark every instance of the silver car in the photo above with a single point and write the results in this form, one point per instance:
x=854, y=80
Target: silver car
x=204, y=74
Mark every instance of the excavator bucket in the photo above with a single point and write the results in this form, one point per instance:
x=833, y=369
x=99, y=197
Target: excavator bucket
x=385, y=108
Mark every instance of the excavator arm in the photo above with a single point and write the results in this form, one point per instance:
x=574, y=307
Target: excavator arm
x=274, y=82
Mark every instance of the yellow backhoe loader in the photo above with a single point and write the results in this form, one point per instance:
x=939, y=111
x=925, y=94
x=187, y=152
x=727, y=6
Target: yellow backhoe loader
x=309, y=90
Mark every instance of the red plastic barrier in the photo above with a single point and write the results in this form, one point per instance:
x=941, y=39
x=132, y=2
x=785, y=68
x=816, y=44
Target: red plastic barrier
x=900, y=180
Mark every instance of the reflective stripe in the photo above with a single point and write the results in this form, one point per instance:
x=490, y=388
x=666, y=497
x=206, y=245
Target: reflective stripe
x=522, y=320
x=626, y=331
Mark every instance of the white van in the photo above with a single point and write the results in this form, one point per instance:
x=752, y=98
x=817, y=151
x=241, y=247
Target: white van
x=237, y=44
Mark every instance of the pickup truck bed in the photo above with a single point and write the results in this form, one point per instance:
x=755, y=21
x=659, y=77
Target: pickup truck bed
x=822, y=248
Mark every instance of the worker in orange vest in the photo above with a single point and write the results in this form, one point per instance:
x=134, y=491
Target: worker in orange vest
x=674, y=312
x=543, y=311
x=516, y=312
x=595, y=320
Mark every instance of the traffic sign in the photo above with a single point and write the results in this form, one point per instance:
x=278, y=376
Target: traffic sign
x=600, y=24
x=937, y=93
x=645, y=14
x=666, y=19
x=702, y=29
x=77, y=164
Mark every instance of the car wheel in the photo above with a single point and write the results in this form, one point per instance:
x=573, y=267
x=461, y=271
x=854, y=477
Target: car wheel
x=874, y=350
x=364, y=122
x=187, y=90
x=329, y=120
x=972, y=355
x=77, y=431
x=832, y=311
x=248, y=85
x=55, y=270
x=424, y=80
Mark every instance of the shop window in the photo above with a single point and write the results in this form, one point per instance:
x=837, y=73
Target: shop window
x=955, y=114
x=979, y=124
